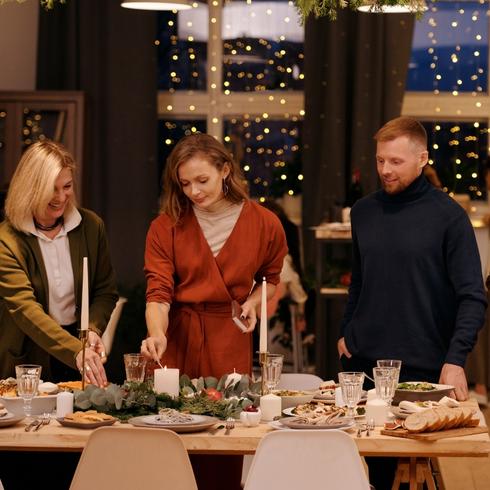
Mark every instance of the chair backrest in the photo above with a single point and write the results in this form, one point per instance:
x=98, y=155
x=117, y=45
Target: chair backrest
x=119, y=458
x=299, y=381
x=108, y=335
x=296, y=459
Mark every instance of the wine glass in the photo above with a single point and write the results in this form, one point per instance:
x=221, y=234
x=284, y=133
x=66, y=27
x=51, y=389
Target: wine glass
x=273, y=370
x=351, y=386
x=28, y=376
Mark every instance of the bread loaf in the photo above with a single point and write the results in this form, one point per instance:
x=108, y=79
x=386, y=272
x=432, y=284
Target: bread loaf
x=441, y=418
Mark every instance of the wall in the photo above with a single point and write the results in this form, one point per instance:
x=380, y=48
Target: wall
x=18, y=44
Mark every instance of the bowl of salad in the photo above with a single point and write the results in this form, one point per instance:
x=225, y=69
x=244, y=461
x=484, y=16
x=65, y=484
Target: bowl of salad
x=293, y=398
x=420, y=391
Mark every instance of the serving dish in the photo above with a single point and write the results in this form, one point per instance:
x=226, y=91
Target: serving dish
x=295, y=398
x=84, y=425
x=414, y=395
x=40, y=404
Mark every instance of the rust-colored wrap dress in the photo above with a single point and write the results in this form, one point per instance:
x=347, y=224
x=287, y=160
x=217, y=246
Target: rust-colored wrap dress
x=182, y=271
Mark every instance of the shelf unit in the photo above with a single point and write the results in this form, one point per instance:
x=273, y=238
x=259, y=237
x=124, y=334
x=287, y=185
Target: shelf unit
x=330, y=301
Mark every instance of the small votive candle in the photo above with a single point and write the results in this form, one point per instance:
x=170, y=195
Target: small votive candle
x=166, y=380
x=270, y=406
x=64, y=404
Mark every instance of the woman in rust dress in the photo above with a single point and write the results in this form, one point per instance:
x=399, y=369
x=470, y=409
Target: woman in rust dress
x=209, y=246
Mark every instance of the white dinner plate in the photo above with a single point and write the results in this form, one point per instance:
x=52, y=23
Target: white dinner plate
x=11, y=420
x=204, y=422
x=289, y=412
x=157, y=420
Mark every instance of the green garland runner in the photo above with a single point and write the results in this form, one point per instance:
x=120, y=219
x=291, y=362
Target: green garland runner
x=203, y=396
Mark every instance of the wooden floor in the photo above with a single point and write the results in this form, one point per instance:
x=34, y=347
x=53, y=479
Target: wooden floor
x=466, y=473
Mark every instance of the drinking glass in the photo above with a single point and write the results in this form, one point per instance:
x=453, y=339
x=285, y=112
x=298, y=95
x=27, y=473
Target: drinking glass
x=385, y=382
x=273, y=370
x=135, y=365
x=351, y=385
x=27, y=382
x=391, y=363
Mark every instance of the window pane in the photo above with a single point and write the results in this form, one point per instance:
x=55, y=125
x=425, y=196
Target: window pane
x=269, y=152
x=170, y=132
x=262, y=46
x=182, y=49
x=458, y=152
x=41, y=124
x=450, y=48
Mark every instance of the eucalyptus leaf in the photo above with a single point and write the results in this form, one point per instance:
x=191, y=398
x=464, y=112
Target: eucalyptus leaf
x=200, y=384
x=210, y=382
x=185, y=381
x=221, y=383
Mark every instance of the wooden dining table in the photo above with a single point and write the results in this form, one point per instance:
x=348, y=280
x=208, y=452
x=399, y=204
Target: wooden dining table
x=413, y=455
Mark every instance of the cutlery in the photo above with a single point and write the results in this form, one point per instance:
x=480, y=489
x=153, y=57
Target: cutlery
x=32, y=425
x=45, y=420
x=369, y=427
x=230, y=424
x=216, y=429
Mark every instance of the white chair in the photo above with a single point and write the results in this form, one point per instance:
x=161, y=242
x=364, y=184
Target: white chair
x=120, y=458
x=295, y=459
x=288, y=381
x=299, y=381
x=108, y=335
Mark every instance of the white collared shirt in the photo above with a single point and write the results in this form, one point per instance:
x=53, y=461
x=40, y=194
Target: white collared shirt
x=59, y=270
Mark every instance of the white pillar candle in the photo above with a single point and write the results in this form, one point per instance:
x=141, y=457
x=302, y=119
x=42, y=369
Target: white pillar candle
x=270, y=406
x=339, y=399
x=167, y=381
x=232, y=379
x=263, y=318
x=64, y=403
x=84, y=313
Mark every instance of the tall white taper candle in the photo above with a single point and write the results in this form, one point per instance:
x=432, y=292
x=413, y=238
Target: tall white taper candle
x=263, y=318
x=84, y=315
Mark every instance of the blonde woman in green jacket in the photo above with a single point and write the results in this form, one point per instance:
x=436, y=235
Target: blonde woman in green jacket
x=42, y=244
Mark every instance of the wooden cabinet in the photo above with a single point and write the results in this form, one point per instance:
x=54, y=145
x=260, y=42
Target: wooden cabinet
x=26, y=117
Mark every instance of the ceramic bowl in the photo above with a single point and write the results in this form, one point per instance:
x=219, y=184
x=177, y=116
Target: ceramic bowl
x=294, y=398
x=40, y=404
x=436, y=394
x=250, y=419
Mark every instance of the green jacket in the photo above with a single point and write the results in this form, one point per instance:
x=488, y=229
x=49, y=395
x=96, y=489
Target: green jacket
x=27, y=333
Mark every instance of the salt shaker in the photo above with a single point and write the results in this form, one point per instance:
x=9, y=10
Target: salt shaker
x=64, y=404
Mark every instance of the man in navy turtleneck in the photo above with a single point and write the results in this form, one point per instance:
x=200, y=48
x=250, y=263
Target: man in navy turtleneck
x=417, y=291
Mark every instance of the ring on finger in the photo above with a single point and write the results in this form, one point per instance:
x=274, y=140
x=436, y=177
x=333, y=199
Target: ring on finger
x=87, y=367
x=102, y=354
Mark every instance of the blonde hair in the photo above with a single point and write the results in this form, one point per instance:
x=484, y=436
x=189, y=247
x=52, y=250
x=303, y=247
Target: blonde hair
x=174, y=201
x=33, y=182
x=403, y=126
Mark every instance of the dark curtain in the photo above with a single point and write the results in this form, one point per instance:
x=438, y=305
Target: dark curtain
x=355, y=70
x=108, y=52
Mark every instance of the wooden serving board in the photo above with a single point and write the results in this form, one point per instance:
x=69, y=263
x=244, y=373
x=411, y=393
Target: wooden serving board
x=435, y=436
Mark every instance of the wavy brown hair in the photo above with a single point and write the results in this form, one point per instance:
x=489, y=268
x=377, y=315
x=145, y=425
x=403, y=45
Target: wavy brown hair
x=174, y=201
x=33, y=182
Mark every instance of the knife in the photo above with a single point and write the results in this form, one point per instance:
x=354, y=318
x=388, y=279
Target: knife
x=33, y=424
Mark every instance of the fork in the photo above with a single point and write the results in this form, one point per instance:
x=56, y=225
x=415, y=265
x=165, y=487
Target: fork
x=229, y=425
x=369, y=427
x=45, y=420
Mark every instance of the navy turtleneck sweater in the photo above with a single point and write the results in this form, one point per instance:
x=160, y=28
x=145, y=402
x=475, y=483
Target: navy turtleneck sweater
x=417, y=291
